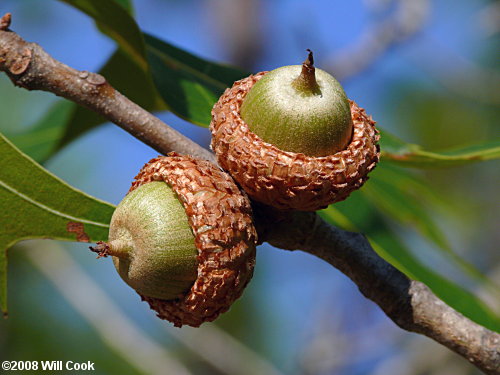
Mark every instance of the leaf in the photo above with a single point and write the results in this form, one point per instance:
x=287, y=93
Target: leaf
x=394, y=192
x=40, y=141
x=65, y=121
x=127, y=70
x=127, y=5
x=405, y=199
x=452, y=294
x=36, y=204
x=358, y=214
x=397, y=151
x=189, y=85
x=136, y=84
x=128, y=78
x=114, y=20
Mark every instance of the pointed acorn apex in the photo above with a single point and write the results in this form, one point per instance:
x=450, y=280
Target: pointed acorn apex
x=306, y=82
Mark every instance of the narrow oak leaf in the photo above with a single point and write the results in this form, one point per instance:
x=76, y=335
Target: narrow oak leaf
x=411, y=155
x=36, y=204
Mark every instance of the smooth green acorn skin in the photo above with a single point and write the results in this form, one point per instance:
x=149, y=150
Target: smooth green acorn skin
x=315, y=123
x=161, y=261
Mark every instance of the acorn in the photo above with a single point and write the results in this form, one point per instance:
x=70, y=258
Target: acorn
x=292, y=139
x=184, y=239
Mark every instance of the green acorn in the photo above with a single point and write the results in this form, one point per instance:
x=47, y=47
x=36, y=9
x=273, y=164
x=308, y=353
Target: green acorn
x=299, y=109
x=183, y=239
x=292, y=139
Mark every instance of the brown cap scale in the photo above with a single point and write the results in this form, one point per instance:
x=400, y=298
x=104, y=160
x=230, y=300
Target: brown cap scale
x=187, y=276
x=295, y=161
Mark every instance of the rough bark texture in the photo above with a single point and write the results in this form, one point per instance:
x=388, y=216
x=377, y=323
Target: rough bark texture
x=410, y=304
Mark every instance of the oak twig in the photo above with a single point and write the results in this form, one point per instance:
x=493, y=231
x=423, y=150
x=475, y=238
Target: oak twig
x=410, y=304
x=30, y=67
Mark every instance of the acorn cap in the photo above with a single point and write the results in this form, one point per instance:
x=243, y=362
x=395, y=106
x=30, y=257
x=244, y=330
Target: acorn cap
x=221, y=220
x=289, y=180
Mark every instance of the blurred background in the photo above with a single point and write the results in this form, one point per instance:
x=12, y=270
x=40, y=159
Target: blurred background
x=426, y=70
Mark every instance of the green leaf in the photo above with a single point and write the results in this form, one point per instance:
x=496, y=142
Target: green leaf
x=406, y=199
x=126, y=70
x=36, y=204
x=452, y=294
x=127, y=5
x=40, y=141
x=189, y=85
x=357, y=214
x=65, y=121
x=396, y=192
x=114, y=20
x=128, y=78
x=397, y=151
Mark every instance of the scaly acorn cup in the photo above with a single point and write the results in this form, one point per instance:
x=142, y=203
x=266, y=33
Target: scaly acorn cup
x=184, y=239
x=292, y=139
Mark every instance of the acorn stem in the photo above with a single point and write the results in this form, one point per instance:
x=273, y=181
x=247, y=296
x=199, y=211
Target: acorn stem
x=306, y=82
x=117, y=248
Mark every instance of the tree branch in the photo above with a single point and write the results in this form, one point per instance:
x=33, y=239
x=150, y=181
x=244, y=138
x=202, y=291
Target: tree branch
x=410, y=304
x=30, y=67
